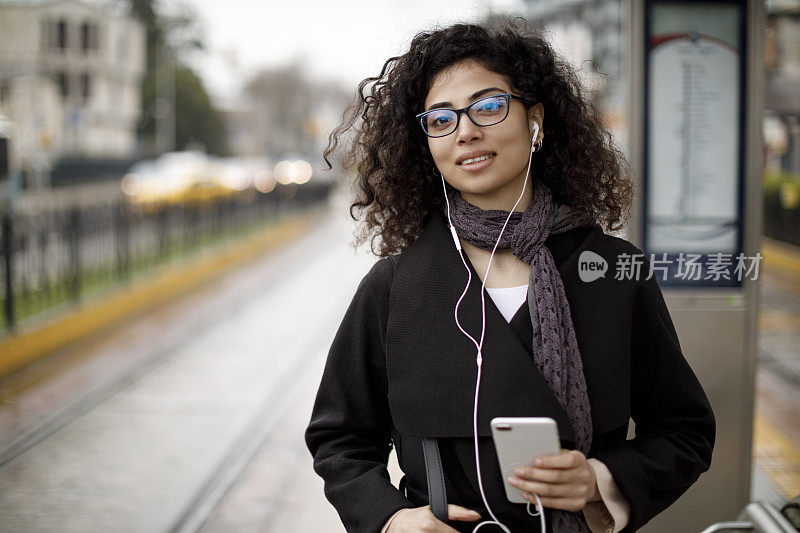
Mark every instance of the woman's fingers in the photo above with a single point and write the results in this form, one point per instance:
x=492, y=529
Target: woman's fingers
x=542, y=474
x=566, y=459
x=580, y=475
x=564, y=481
x=462, y=514
x=559, y=490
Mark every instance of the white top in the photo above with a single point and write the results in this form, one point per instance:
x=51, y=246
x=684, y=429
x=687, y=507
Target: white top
x=508, y=299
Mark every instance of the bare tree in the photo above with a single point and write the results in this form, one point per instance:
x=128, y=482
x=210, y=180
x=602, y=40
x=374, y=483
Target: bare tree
x=289, y=109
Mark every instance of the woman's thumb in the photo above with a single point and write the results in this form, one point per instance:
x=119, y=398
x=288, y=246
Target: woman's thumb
x=456, y=512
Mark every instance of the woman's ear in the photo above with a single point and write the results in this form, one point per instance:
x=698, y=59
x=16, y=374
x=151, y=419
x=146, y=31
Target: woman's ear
x=536, y=114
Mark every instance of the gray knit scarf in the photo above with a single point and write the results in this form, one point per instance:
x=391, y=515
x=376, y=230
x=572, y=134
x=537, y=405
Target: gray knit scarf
x=555, y=349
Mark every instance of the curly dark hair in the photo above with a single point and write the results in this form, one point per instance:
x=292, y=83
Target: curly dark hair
x=397, y=189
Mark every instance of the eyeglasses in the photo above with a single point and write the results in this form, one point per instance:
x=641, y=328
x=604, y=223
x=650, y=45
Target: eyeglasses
x=484, y=112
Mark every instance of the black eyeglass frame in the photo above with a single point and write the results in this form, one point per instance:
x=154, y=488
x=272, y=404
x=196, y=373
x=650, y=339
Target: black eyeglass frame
x=465, y=110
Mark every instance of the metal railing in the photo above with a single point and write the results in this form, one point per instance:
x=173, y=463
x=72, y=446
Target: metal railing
x=50, y=259
x=759, y=517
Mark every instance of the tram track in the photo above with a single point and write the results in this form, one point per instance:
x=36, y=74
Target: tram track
x=258, y=431
x=157, y=356
x=133, y=409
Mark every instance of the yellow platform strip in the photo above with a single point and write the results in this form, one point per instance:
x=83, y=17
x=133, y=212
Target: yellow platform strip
x=23, y=348
x=777, y=456
x=779, y=255
x=777, y=321
x=773, y=452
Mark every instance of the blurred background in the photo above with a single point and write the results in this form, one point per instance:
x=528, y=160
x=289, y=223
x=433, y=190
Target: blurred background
x=167, y=226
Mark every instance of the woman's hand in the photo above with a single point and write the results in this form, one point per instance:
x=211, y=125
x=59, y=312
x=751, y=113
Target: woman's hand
x=564, y=481
x=422, y=519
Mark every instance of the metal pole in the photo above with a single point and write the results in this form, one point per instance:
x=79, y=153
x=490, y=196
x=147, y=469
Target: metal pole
x=729, y=526
x=122, y=242
x=633, y=60
x=753, y=183
x=8, y=259
x=74, y=254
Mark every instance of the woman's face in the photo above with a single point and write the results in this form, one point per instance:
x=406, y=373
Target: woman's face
x=496, y=182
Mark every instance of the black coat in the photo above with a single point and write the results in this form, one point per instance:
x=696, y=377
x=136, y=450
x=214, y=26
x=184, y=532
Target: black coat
x=399, y=369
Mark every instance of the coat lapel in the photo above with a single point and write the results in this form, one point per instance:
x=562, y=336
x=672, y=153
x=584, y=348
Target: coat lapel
x=431, y=364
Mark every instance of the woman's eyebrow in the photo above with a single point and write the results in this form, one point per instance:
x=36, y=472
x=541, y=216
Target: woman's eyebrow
x=473, y=96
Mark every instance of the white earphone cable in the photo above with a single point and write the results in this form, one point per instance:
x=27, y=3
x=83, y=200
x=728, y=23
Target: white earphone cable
x=479, y=344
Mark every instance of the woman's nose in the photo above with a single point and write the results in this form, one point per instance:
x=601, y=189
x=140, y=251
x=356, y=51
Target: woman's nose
x=467, y=130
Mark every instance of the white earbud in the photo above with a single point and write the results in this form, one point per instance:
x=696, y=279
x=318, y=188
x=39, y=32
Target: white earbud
x=535, y=134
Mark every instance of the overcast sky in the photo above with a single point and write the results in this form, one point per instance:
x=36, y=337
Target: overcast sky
x=345, y=40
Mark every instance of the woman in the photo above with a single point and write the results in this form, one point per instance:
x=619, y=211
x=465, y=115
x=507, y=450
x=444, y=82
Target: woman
x=478, y=141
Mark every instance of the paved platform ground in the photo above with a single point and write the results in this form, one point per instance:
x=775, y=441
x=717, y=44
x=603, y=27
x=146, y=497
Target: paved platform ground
x=776, y=445
x=191, y=417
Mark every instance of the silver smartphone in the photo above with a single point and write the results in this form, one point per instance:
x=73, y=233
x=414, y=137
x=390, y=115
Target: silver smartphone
x=520, y=440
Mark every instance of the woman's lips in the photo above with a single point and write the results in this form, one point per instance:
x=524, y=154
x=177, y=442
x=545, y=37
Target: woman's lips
x=474, y=166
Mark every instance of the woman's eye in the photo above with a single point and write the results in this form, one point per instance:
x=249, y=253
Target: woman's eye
x=490, y=106
x=439, y=120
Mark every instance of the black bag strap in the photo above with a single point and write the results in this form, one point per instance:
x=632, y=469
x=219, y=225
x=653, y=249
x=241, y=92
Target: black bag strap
x=437, y=497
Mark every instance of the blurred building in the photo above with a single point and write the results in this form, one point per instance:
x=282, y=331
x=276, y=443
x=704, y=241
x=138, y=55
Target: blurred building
x=782, y=100
x=589, y=34
x=70, y=81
